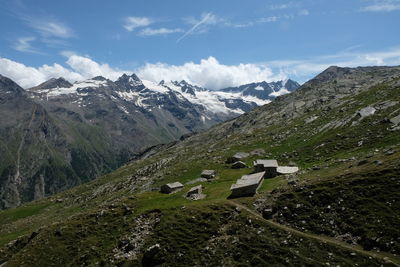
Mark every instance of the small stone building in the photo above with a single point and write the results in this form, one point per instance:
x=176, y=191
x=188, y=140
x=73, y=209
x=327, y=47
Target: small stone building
x=269, y=166
x=247, y=185
x=197, y=190
x=171, y=187
x=208, y=174
x=237, y=157
x=238, y=165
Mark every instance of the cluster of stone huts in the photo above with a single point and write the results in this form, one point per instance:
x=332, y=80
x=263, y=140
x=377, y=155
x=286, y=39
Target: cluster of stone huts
x=195, y=192
x=247, y=185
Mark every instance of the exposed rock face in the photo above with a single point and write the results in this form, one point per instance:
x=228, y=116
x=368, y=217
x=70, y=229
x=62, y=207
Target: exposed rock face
x=30, y=140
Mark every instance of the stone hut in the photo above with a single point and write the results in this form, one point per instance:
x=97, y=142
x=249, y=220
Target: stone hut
x=269, y=166
x=171, y=188
x=247, y=185
x=197, y=190
x=208, y=174
x=237, y=157
x=238, y=165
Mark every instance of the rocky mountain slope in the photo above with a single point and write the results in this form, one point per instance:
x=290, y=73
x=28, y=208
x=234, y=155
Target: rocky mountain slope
x=341, y=128
x=65, y=134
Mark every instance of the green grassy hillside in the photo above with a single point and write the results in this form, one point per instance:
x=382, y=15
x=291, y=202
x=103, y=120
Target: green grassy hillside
x=343, y=209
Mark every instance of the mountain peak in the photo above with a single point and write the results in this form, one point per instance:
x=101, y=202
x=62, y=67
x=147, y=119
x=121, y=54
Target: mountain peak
x=7, y=85
x=128, y=83
x=291, y=85
x=99, y=78
x=53, y=83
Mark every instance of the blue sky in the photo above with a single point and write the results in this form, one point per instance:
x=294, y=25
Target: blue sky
x=210, y=43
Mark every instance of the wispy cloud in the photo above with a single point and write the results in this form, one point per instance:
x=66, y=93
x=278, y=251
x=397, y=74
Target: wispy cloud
x=131, y=23
x=288, y=5
x=382, y=6
x=49, y=28
x=268, y=19
x=23, y=44
x=206, y=19
x=304, y=69
x=159, y=31
x=303, y=12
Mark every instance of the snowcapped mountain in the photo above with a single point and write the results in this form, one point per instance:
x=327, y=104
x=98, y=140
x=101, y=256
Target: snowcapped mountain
x=81, y=130
x=213, y=105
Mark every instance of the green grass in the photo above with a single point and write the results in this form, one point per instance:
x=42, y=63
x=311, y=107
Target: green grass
x=11, y=215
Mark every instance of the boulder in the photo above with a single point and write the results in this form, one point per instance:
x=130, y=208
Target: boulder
x=287, y=170
x=237, y=157
x=197, y=180
x=257, y=152
x=367, y=111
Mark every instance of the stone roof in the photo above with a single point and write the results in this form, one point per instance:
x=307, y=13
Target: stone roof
x=266, y=162
x=174, y=185
x=249, y=180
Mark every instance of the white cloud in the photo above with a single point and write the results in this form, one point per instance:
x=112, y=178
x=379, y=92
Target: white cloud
x=199, y=25
x=208, y=73
x=159, y=31
x=131, y=23
x=80, y=68
x=89, y=68
x=382, y=6
x=23, y=44
x=29, y=76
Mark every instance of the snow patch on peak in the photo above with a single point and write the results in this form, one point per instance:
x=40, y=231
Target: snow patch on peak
x=134, y=82
x=173, y=86
x=259, y=88
x=282, y=91
x=155, y=87
x=74, y=88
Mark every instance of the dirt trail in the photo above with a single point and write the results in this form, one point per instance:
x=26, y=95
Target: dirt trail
x=382, y=256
